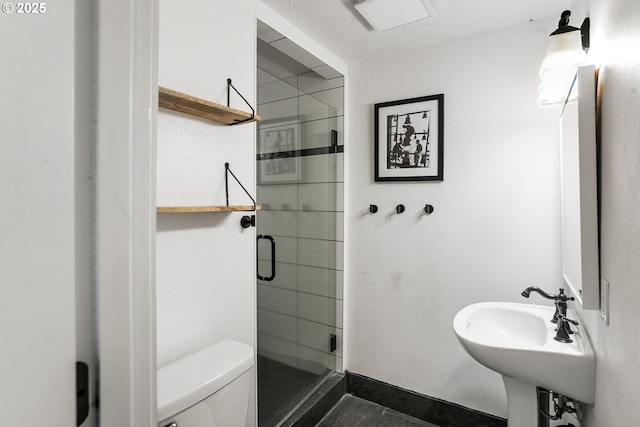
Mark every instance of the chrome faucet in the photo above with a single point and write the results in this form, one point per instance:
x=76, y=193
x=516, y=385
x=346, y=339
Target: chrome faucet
x=560, y=300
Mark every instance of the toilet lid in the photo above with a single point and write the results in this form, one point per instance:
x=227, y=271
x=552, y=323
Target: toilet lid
x=191, y=379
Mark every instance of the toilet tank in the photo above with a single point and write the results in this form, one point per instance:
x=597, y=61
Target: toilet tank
x=209, y=388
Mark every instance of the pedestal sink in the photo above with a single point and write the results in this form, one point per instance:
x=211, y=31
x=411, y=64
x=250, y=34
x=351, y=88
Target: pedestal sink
x=516, y=340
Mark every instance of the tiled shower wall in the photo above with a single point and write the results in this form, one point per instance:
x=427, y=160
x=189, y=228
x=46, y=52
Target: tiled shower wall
x=300, y=191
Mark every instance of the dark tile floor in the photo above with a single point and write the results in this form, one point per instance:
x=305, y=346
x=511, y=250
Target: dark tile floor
x=351, y=411
x=422, y=407
x=280, y=388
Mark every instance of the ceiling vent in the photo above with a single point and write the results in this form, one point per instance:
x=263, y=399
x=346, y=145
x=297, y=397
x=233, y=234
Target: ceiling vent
x=384, y=15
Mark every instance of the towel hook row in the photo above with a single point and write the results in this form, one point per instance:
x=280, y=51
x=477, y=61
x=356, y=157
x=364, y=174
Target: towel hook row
x=400, y=208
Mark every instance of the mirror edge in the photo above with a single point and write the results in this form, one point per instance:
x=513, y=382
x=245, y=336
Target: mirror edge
x=589, y=294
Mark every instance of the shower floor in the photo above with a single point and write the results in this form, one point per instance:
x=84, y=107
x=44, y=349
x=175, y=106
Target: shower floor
x=281, y=387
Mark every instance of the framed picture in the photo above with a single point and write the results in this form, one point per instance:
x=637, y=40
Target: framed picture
x=277, y=162
x=409, y=139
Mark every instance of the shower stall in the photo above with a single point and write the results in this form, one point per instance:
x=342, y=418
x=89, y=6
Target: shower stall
x=299, y=168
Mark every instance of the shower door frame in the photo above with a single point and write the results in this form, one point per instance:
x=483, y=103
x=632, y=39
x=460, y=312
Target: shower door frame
x=284, y=27
x=273, y=20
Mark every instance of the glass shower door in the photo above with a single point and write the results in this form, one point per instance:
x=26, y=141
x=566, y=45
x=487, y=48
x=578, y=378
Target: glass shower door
x=299, y=177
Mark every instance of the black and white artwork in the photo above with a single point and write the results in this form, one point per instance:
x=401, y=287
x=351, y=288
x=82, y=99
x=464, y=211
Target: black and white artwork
x=409, y=139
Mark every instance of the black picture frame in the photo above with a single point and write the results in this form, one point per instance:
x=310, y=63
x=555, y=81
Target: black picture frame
x=409, y=139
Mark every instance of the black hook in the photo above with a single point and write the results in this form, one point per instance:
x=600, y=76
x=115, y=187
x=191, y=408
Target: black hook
x=400, y=208
x=248, y=221
x=428, y=209
x=373, y=208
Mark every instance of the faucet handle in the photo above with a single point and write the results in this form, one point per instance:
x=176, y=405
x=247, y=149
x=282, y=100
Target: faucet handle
x=563, y=330
x=566, y=319
x=560, y=301
x=561, y=297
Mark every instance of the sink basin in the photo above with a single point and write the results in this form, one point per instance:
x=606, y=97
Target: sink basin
x=516, y=340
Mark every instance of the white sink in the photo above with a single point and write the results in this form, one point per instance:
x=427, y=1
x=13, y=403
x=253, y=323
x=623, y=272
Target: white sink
x=516, y=340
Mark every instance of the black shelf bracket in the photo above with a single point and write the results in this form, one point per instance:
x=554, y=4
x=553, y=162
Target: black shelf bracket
x=227, y=171
x=253, y=112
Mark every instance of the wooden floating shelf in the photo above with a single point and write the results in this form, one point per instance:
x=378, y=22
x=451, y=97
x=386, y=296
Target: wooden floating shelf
x=205, y=209
x=198, y=107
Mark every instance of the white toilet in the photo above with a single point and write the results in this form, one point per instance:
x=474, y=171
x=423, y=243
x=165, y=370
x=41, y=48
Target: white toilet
x=209, y=388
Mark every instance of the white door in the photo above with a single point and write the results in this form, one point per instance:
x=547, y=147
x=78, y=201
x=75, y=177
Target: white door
x=45, y=212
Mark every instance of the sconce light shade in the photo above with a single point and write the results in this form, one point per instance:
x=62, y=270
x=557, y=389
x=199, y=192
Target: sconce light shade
x=565, y=54
x=384, y=15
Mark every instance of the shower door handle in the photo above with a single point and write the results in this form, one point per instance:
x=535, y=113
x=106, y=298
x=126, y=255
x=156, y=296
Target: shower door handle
x=273, y=258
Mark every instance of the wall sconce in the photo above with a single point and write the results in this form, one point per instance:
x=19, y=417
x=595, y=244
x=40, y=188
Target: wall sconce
x=565, y=53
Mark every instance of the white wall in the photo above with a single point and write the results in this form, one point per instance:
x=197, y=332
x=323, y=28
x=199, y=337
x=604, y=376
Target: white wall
x=495, y=228
x=614, y=46
x=205, y=262
x=39, y=173
x=206, y=281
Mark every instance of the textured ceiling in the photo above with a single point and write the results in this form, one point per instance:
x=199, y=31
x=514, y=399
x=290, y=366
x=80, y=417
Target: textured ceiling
x=337, y=25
